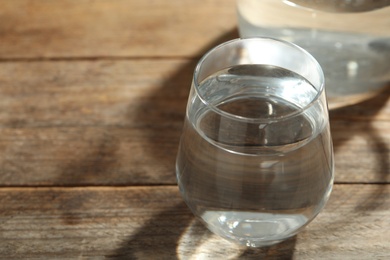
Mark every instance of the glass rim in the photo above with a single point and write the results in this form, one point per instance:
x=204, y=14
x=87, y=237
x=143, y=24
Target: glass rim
x=196, y=83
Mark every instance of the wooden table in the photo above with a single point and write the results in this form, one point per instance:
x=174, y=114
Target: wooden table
x=93, y=97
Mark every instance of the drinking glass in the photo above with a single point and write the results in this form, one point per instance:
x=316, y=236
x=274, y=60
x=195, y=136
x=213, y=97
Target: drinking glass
x=255, y=160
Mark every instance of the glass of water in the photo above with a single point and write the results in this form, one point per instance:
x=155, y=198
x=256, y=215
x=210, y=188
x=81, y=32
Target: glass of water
x=255, y=160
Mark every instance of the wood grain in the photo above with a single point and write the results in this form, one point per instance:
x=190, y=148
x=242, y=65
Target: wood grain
x=118, y=122
x=115, y=92
x=362, y=151
x=93, y=93
x=75, y=156
x=148, y=28
x=92, y=101
x=154, y=223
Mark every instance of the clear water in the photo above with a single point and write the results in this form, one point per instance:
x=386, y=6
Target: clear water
x=352, y=48
x=258, y=180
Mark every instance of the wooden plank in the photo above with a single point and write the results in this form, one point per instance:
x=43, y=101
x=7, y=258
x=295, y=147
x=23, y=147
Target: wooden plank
x=91, y=122
x=93, y=93
x=74, y=156
x=362, y=151
x=154, y=223
x=148, y=28
x=118, y=122
x=116, y=92
x=87, y=156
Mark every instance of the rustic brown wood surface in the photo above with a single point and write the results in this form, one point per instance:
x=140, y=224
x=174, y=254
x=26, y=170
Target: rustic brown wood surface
x=85, y=28
x=153, y=223
x=93, y=96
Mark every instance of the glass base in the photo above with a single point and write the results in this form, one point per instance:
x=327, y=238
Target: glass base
x=254, y=229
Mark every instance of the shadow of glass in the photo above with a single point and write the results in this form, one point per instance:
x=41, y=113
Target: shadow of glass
x=362, y=114
x=94, y=163
x=179, y=236
x=357, y=120
x=168, y=236
x=163, y=113
x=176, y=234
x=158, y=238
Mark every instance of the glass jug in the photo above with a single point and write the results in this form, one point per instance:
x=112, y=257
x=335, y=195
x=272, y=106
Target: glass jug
x=349, y=38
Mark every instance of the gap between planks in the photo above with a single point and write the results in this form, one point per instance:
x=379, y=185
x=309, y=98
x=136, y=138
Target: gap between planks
x=114, y=186
x=96, y=58
x=152, y=185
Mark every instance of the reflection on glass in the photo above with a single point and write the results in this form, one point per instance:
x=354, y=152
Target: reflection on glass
x=255, y=160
